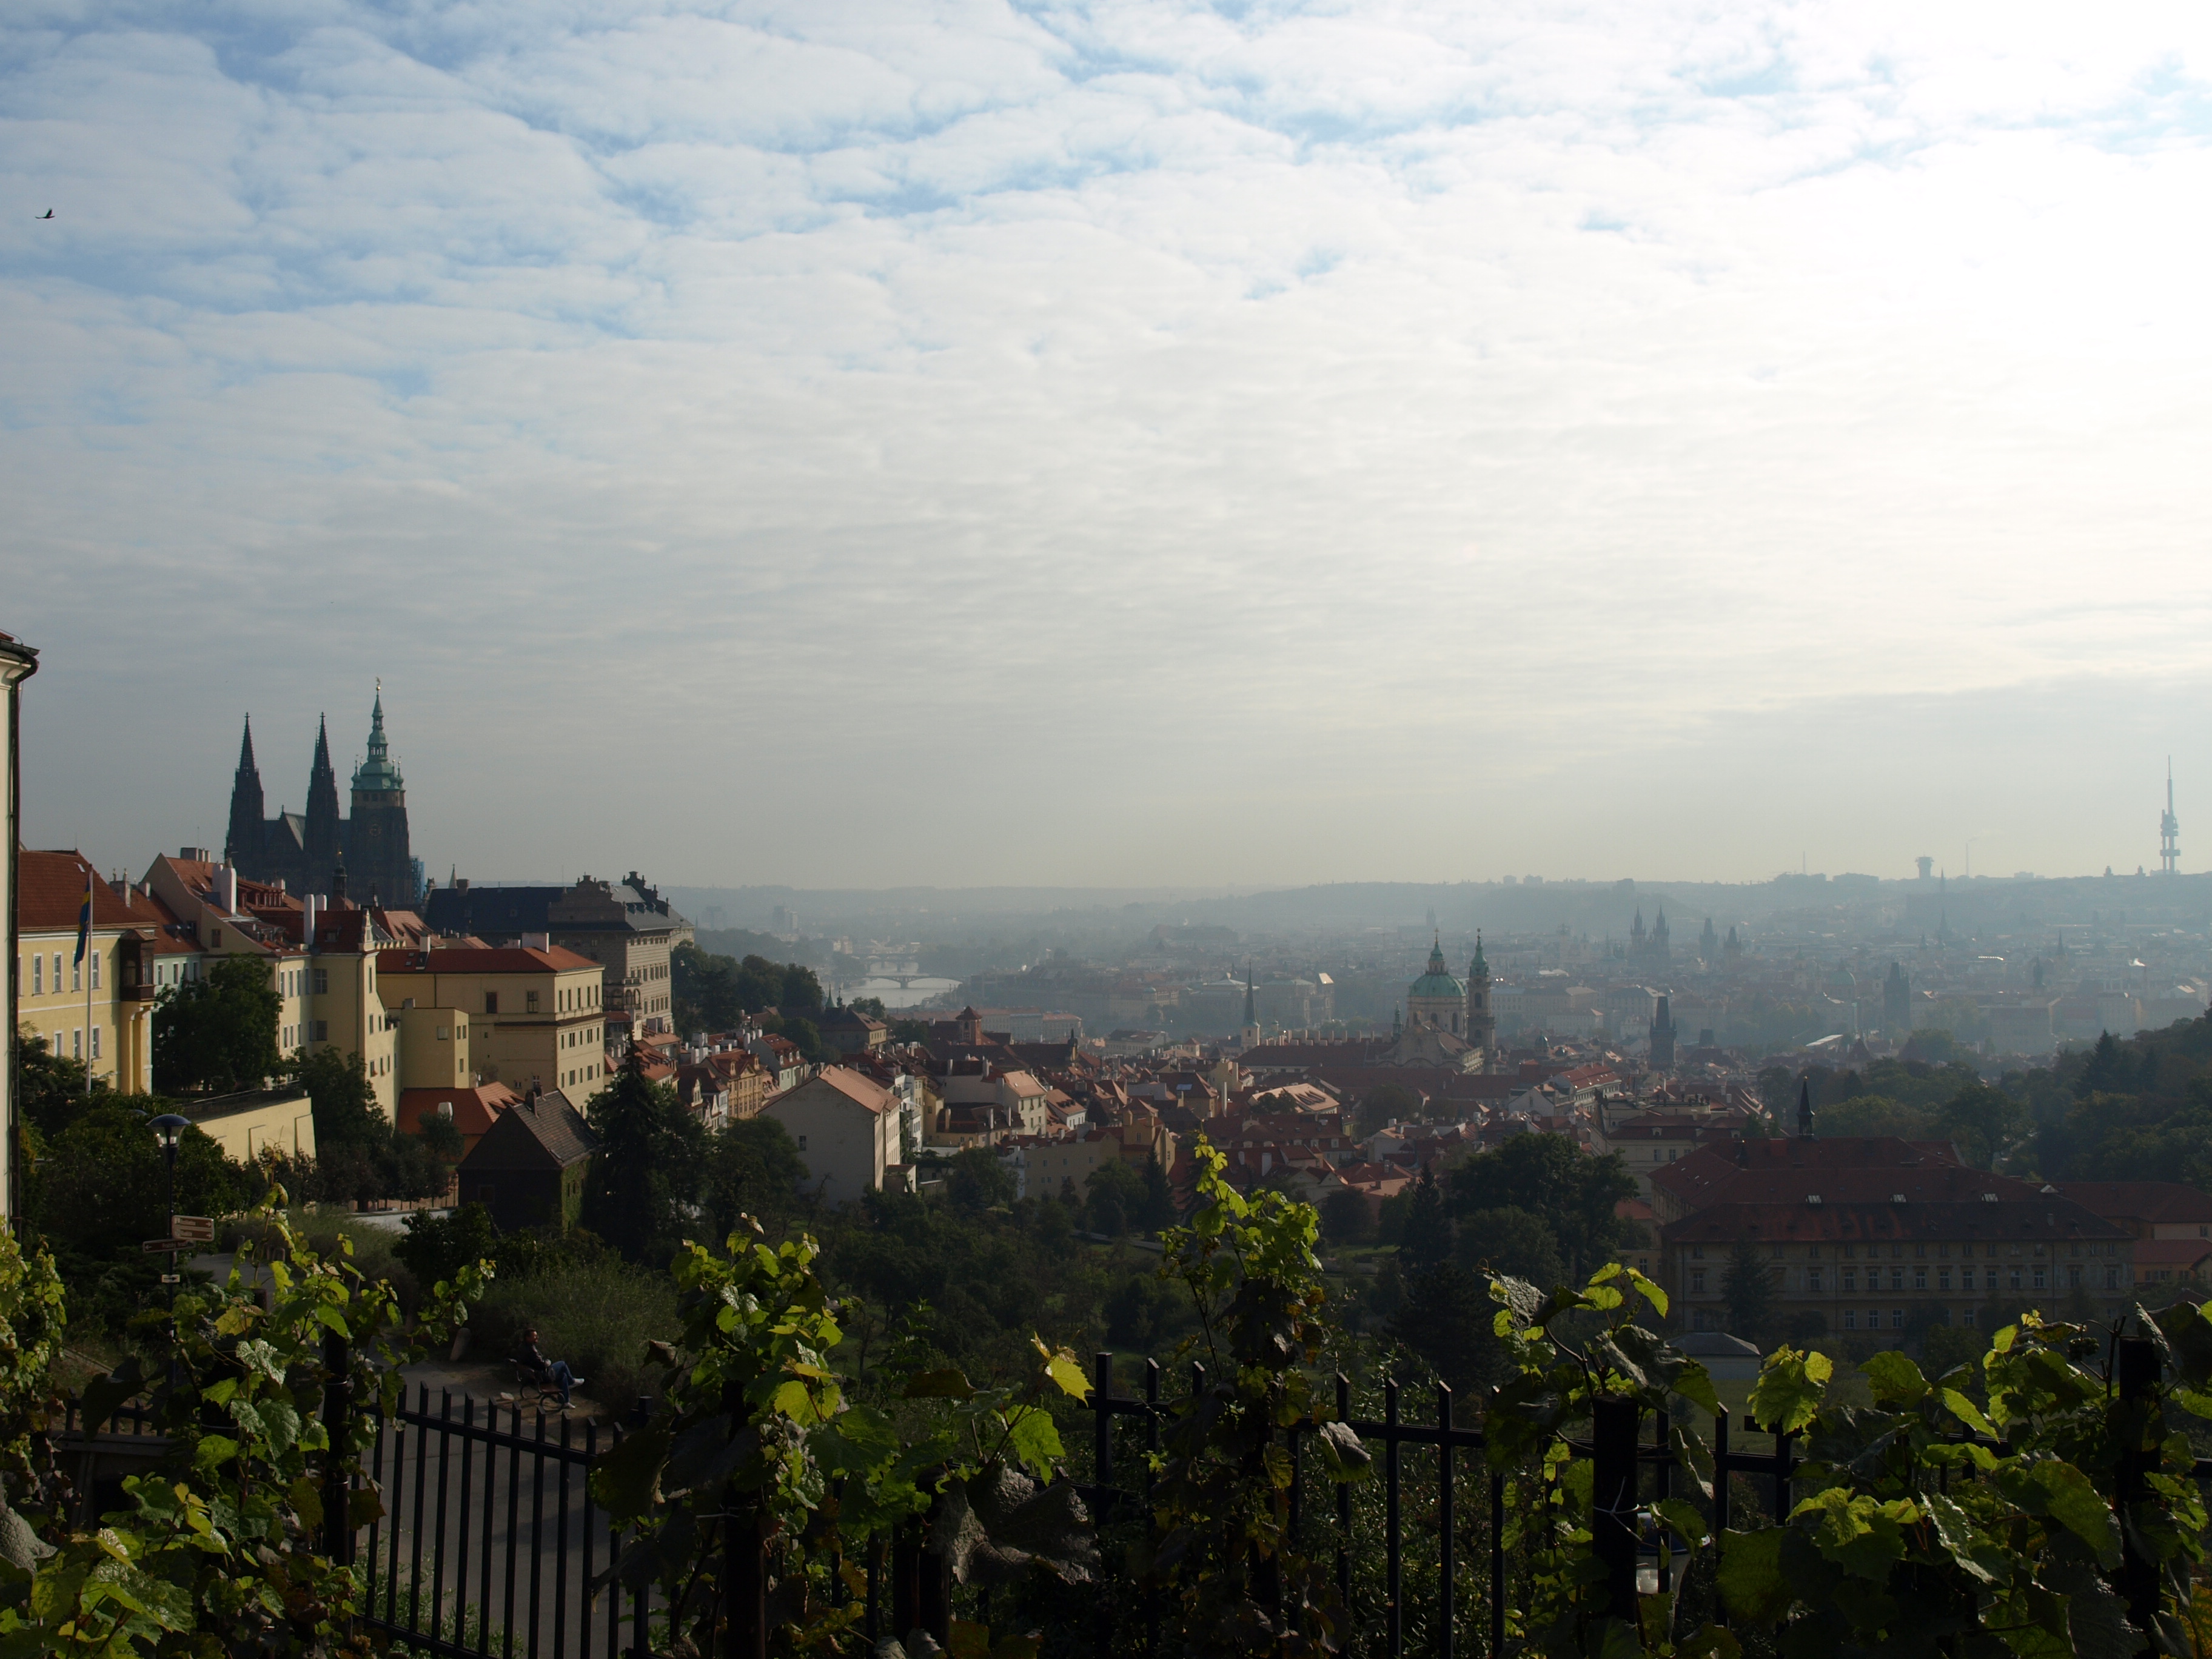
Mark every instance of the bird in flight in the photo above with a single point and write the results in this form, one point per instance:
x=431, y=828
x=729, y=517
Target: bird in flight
x=48, y=214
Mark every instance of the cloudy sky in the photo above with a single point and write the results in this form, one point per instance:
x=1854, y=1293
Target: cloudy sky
x=862, y=441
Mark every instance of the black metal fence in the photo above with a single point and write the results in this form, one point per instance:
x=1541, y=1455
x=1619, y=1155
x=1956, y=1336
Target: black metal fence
x=488, y=1541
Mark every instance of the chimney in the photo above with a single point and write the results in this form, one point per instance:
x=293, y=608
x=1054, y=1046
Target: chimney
x=226, y=889
x=537, y=941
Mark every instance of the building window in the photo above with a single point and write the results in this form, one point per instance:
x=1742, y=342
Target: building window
x=2074, y=1278
x=322, y=981
x=322, y=1030
x=77, y=1044
x=1943, y=1278
x=95, y=970
x=1897, y=1319
x=2016, y=1279
x=1813, y=1278
x=38, y=974
x=1897, y=1278
x=1851, y=1319
x=530, y=1002
x=2040, y=1277
x=1697, y=1279
x=95, y=1037
x=1920, y=1279
x=1851, y=1279
x=57, y=971
x=76, y=976
x=491, y=1002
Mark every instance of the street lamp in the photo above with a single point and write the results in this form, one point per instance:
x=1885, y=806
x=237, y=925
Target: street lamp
x=169, y=1126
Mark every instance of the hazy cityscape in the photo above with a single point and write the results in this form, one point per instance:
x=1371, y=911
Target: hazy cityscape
x=1138, y=829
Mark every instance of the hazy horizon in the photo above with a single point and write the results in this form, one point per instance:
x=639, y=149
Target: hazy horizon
x=1127, y=445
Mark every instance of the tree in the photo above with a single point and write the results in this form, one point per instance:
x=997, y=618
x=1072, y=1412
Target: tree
x=1158, y=1210
x=753, y=1169
x=103, y=1184
x=1426, y=1242
x=1876, y=1114
x=1512, y=1241
x=649, y=1166
x=343, y=1101
x=1747, y=1291
x=49, y=1086
x=1985, y=1121
x=1572, y=1192
x=218, y=1033
x=1346, y=1218
x=436, y=1248
x=1446, y=1319
x=703, y=991
x=1380, y=1108
x=1116, y=1197
x=871, y=1006
x=978, y=1179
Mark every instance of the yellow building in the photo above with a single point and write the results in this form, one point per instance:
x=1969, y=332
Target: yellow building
x=530, y=1015
x=245, y=1125
x=98, y=1009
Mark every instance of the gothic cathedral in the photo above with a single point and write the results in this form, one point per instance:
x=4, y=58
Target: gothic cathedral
x=365, y=857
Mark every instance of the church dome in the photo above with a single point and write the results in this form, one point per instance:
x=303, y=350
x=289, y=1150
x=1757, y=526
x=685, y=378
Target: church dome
x=1842, y=982
x=1437, y=983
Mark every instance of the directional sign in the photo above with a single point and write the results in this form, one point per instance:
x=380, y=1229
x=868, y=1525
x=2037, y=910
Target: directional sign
x=192, y=1229
x=156, y=1246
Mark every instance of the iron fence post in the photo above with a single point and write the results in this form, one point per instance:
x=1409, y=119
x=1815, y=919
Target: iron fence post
x=1102, y=1463
x=1445, y=1522
x=2137, y=1580
x=1390, y=1542
x=337, y=1419
x=1613, y=1422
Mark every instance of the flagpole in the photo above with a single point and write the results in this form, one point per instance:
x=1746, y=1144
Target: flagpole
x=84, y=949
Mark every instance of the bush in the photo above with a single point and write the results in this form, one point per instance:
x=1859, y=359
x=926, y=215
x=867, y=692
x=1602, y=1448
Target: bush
x=598, y=1314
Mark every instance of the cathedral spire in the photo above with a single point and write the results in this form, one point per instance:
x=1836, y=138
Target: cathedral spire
x=324, y=830
x=241, y=844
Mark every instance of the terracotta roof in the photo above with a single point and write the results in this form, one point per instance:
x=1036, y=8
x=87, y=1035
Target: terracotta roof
x=1708, y=1175
x=475, y=1110
x=2036, y=1216
x=498, y=959
x=855, y=1087
x=51, y=889
x=2168, y=1202
x=539, y=1133
x=2172, y=1252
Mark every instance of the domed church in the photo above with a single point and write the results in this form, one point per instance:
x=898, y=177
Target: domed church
x=1437, y=999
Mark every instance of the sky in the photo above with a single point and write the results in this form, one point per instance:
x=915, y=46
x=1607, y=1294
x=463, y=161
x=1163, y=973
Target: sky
x=850, y=443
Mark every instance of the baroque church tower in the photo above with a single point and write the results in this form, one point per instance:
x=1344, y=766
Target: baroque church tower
x=378, y=861
x=1481, y=1020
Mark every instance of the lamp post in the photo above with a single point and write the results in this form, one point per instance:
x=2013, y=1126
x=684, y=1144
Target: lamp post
x=169, y=1126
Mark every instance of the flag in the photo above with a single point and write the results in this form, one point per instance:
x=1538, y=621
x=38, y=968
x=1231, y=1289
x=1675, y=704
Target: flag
x=84, y=918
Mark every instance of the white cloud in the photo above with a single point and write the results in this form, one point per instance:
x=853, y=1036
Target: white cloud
x=1139, y=441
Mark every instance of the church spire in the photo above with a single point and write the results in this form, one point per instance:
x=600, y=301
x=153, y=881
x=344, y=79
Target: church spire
x=324, y=830
x=241, y=844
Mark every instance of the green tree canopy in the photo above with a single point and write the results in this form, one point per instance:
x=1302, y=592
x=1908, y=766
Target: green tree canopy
x=1549, y=1176
x=753, y=1169
x=1512, y=1241
x=1748, y=1292
x=1426, y=1239
x=217, y=1033
x=649, y=1167
x=103, y=1184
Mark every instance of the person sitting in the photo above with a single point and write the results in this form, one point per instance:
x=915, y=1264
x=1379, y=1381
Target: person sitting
x=554, y=1371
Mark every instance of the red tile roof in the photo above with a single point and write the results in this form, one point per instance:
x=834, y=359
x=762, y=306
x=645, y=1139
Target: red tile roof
x=498, y=959
x=2158, y=1202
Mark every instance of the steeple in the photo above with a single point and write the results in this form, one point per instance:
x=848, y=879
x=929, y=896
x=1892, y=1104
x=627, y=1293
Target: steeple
x=241, y=845
x=1477, y=969
x=377, y=772
x=1251, y=1013
x=1805, y=1108
x=323, y=829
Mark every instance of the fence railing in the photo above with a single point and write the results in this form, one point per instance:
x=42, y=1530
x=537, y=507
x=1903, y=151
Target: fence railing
x=488, y=1541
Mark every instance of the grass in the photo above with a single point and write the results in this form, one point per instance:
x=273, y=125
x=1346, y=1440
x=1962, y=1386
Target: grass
x=598, y=1315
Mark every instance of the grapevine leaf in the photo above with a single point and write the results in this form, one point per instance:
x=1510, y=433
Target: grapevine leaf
x=1751, y=1575
x=1897, y=1381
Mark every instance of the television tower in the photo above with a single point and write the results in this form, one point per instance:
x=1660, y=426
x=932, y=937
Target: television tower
x=2169, y=829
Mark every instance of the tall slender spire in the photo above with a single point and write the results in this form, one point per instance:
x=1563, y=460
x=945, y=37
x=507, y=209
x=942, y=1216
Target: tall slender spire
x=241, y=844
x=324, y=830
